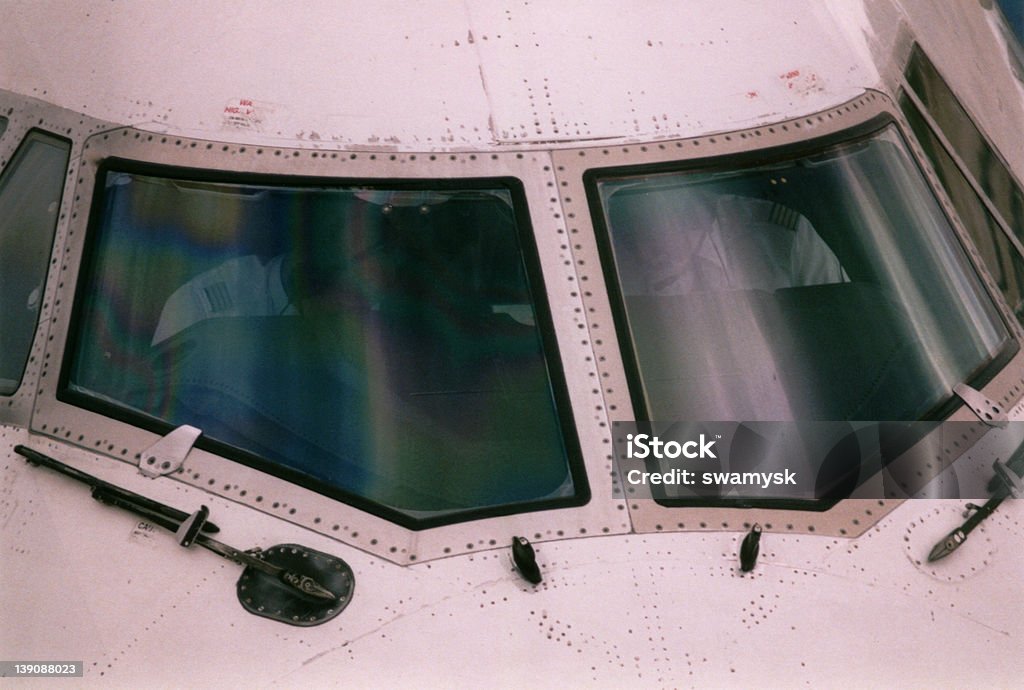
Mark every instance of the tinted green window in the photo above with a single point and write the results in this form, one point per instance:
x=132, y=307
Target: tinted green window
x=30, y=192
x=380, y=344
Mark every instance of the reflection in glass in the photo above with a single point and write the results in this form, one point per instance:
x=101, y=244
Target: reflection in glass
x=981, y=160
x=826, y=287
x=1001, y=258
x=30, y=192
x=380, y=343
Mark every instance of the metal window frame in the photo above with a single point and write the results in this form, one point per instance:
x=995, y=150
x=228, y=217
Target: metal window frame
x=23, y=116
x=582, y=318
x=903, y=84
x=212, y=472
x=848, y=517
x=907, y=90
x=528, y=255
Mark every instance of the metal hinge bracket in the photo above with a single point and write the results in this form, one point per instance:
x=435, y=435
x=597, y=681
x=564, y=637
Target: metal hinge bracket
x=168, y=454
x=987, y=410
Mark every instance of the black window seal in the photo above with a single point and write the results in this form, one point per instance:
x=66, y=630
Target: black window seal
x=986, y=372
x=542, y=314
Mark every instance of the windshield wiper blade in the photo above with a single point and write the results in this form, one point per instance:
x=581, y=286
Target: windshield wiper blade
x=1010, y=483
x=155, y=507
x=189, y=532
x=189, y=528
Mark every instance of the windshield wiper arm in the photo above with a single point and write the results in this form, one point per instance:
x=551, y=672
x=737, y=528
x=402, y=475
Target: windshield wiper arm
x=1010, y=483
x=189, y=528
x=189, y=533
x=155, y=508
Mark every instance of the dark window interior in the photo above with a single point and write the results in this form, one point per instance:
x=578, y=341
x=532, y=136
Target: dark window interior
x=385, y=345
x=30, y=194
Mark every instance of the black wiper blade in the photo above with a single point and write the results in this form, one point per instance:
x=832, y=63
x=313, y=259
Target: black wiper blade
x=154, y=508
x=1010, y=483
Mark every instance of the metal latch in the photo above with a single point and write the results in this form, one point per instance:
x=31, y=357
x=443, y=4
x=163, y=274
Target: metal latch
x=749, y=549
x=525, y=559
x=169, y=453
x=988, y=411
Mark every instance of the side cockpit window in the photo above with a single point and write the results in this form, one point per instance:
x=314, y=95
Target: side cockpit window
x=985, y=193
x=30, y=194
x=377, y=344
x=3, y=125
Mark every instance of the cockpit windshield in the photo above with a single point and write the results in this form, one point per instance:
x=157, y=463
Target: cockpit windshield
x=378, y=343
x=827, y=286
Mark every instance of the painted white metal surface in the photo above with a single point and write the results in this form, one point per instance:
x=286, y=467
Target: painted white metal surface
x=460, y=75
x=453, y=75
x=82, y=581
x=656, y=610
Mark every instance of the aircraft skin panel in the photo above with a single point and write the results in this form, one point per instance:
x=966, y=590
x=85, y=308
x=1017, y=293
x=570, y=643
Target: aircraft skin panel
x=500, y=73
x=536, y=91
x=473, y=94
x=652, y=610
